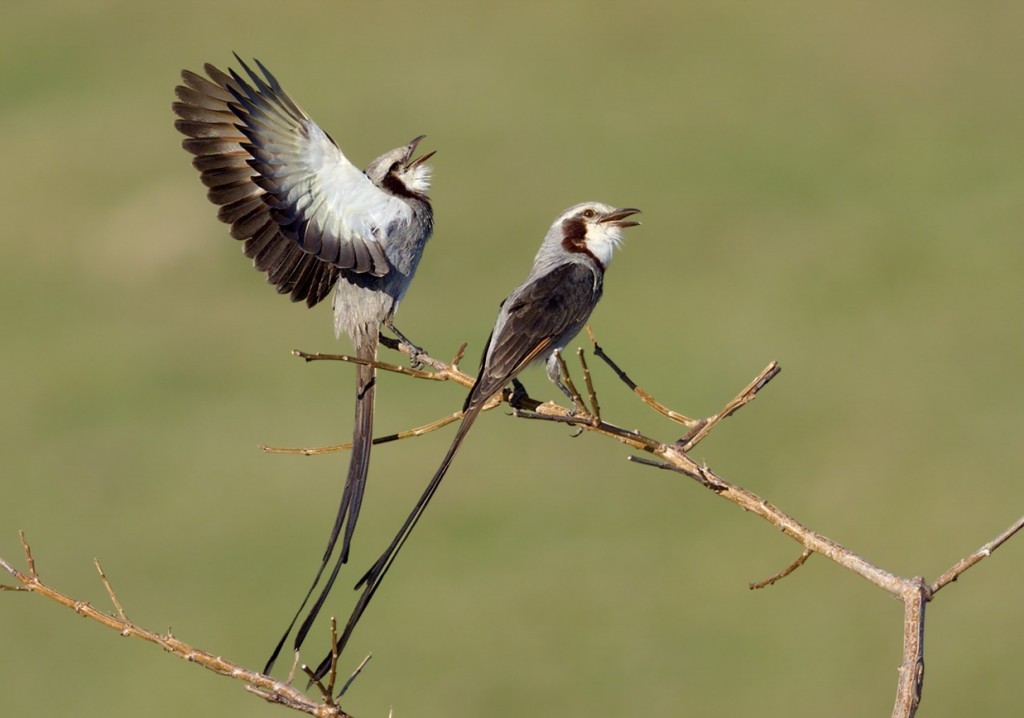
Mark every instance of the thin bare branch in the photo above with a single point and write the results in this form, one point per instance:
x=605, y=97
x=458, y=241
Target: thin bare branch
x=801, y=559
x=594, y=405
x=264, y=686
x=422, y=357
x=407, y=434
x=656, y=464
x=753, y=503
x=441, y=370
x=644, y=396
x=911, y=671
x=325, y=694
x=984, y=552
x=355, y=674
x=294, y=667
x=444, y=421
x=703, y=427
x=110, y=591
x=577, y=400
x=383, y=366
x=913, y=592
x=332, y=674
x=31, y=562
x=459, y=353
x=674, y=457
x=549, y=411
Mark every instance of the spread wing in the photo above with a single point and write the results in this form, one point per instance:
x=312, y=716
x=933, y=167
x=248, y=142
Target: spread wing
x=303, y=210
x=541, y=316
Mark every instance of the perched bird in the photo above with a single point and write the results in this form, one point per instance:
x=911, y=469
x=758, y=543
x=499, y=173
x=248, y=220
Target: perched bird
x=536, y=321
x=312, y=221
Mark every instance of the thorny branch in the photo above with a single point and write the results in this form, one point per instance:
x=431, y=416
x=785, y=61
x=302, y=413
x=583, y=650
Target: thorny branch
x=913, y=592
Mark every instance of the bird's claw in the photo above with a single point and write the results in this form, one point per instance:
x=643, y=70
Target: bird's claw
x=415, y=352
x=416, y=355
x=574, y=412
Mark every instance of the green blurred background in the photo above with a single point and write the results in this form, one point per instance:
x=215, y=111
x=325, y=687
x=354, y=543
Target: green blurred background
x=834, y=186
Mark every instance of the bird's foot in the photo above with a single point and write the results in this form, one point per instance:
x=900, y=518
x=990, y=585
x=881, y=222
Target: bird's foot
x=416, y=353
x=572, y=413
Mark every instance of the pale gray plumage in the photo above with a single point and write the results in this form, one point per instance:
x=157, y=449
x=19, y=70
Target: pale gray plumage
x=312, y=221
x=537, y=320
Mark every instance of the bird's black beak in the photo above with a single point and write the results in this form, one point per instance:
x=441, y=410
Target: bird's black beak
x=411, y=148
x=618, y=217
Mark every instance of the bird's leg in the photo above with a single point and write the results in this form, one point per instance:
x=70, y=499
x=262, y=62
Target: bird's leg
x=565, y=390
x=554, y=366
x=415, y=352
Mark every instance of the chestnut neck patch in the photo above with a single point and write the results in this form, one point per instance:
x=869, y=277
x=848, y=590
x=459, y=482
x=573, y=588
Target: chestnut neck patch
x=574, y=239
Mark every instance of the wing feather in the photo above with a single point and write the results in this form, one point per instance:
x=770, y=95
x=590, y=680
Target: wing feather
x=302, y=209
x=307, y=167
x=542, y=315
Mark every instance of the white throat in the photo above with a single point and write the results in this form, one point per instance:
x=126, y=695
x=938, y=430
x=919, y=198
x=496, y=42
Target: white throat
x=417, y=181
x=602, y=240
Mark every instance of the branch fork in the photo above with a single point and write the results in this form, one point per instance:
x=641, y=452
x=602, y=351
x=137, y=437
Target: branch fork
x=914, y=592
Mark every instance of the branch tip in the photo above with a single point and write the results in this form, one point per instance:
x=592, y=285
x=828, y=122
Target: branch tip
x=355, y=674
x=801, y=559
x=651, y=462
x=31, y=562
x=588, y=380
x=984, y=552
x=325, y=695
x=111, y=594
x=459, y=353
x=333, y=672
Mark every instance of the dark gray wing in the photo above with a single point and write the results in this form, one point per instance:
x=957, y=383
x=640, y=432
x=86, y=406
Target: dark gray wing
x=541, y=316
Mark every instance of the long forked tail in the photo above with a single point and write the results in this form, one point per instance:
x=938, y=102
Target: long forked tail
x=372, y=579
x=352, y=496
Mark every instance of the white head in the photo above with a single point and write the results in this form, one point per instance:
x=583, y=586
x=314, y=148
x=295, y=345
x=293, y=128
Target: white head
x=396, y=172
x=593, y=229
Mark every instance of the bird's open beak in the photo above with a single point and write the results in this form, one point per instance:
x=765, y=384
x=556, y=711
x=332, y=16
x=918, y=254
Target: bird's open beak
x=411, y=148
x=618, y=217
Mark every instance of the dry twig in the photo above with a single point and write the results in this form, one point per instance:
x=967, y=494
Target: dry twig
x=591, y=394
x=264, y=686
x=984, y=552
x=407, y=434
x=806, y=554
x=913, y=592
x=441, y=372
x=644, y=396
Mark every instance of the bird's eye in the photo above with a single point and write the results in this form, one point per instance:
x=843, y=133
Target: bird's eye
x=589, y=214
